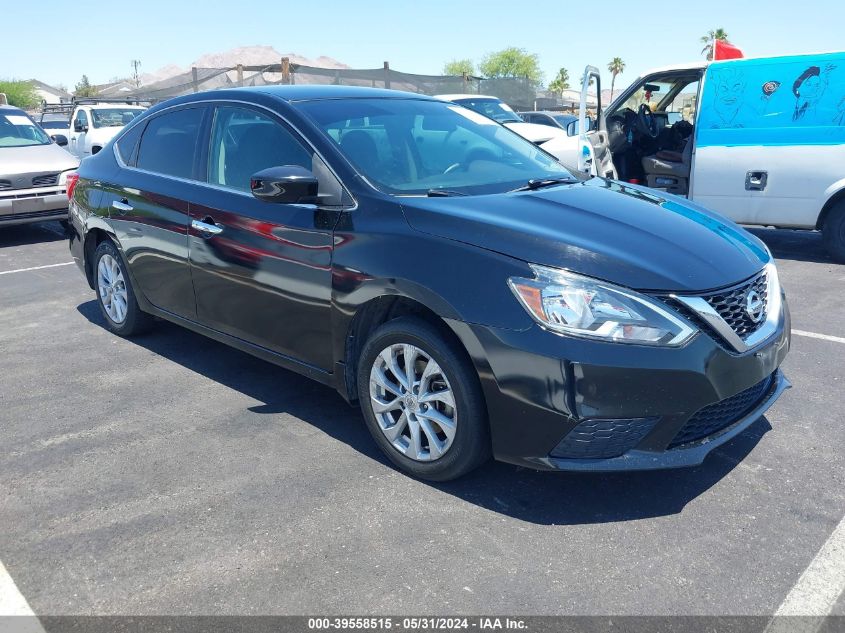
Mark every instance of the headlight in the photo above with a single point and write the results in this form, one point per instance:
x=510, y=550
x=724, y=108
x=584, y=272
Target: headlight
x=580, y=306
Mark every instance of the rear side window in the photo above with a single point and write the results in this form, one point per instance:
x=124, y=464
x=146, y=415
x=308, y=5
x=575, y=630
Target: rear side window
x=168, y=145
x=128, y=142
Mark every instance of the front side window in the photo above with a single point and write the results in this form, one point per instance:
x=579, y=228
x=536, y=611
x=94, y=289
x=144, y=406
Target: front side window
x=169, y=143
x=244, y=142
x=411, y=147
x=81, y=119
x=18, y=130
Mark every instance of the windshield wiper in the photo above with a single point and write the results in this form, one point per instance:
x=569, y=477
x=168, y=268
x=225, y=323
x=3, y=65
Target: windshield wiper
x=539, y=183
x=443, y=193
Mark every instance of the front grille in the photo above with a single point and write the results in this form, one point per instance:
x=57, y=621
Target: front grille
x=716, y=417
x=602, y=439
x=46, y=180
x=5, y=184
x=731, y=305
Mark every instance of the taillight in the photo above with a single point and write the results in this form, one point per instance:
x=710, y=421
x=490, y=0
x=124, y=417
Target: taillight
x=72, y=179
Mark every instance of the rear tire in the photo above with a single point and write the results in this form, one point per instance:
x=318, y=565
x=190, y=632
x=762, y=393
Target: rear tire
x=115, y=294
x=833, y=233
x=432, y=425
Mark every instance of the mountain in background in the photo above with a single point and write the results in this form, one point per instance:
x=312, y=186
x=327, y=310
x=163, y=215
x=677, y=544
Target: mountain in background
x=246, y=55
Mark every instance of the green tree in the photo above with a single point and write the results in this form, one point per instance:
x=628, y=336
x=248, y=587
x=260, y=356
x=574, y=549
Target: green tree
x=459, y=67
x=20, y=94
x=616, y=67
x=560, y=82
x=512, y=62
x=709, y=39
x=84, y=88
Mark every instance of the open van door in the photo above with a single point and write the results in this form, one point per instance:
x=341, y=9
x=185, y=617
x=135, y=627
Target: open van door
x=594, y=153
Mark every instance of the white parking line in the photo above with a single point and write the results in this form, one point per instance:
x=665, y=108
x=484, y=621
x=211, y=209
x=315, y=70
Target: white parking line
x=824, y=337
x=23, y=270
x=12, y=603
x=818, y=588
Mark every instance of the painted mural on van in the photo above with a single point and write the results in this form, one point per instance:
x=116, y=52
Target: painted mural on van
x=774, y=101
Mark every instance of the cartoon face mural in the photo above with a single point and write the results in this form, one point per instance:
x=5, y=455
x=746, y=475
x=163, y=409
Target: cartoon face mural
x=809, y=88
x=728, y=97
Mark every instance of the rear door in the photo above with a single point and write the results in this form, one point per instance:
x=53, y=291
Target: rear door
x=594, y=156
x=262, y=270
x=149, y=204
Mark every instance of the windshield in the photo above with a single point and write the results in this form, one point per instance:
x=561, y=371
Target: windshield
x=18, y=130
x=411, y=147
x=492, y=108
x=113, y=117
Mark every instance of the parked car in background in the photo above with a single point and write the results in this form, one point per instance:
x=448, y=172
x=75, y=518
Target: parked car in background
x=460, y=284
x=565, y=147
x=93, y=123
x=761, y=141
x=555, y=119
x=33, y=171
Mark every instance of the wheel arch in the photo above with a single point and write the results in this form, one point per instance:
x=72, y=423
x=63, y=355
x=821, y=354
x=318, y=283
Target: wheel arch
x=93, y=238
x=377, y=311
x=835, y=195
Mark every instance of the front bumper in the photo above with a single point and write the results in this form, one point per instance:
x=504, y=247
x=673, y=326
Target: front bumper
x=33, y=205
x=561, y=403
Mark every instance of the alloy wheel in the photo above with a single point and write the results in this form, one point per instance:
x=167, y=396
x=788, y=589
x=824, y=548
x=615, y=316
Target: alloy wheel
x=413, y=402
x=112, y=288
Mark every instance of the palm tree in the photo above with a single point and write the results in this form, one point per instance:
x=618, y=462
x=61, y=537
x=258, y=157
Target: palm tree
x=709, y=40
x=615, y=67
x=560, y=82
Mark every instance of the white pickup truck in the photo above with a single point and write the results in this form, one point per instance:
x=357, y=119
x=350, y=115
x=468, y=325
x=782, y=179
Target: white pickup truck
x=94, y=123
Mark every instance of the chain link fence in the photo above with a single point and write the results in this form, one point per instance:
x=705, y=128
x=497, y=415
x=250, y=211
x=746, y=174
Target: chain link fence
x=518, y=93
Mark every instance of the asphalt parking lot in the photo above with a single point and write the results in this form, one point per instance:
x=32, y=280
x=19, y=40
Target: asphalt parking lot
x=172, y=475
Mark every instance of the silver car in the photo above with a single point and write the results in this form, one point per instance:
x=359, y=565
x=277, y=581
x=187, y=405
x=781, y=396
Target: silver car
x=33, y=171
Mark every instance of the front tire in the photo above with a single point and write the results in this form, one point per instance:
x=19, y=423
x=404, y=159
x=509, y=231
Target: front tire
x=422, y=401
x=833, y=233
x=115, y=294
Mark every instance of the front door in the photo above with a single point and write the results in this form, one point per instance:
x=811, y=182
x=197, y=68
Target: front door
x=594, y=156
x=261, y=270
x=78, y=131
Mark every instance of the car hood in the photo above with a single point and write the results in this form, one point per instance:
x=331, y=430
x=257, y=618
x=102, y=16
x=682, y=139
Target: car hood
x=535, y=132
x=622, y=234
x=35, y=158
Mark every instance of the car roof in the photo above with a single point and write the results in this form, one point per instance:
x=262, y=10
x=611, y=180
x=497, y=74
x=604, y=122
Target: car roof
x=455, y=97
x=317, y=92
x=10, y=108
x=550, y=113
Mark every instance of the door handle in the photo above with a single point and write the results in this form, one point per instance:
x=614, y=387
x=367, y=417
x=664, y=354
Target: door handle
x=122, y=206
x=756, y=180
x=207, y=227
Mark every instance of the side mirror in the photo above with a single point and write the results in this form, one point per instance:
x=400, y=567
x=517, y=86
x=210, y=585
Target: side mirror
x=288, y=184
x=78, y=127
x=572, y=128
x=60, y=139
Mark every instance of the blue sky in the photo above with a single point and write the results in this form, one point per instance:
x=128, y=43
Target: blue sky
x=416, y=37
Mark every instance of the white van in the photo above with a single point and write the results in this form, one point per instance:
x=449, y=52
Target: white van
x=761, y=141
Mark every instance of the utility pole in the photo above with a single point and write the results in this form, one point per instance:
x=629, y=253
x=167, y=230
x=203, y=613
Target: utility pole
x=136, y=64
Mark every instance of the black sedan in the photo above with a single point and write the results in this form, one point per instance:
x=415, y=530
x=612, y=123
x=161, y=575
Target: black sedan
x=472, y=295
